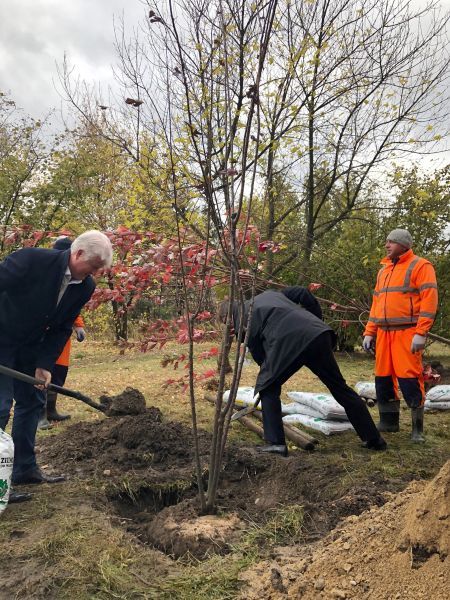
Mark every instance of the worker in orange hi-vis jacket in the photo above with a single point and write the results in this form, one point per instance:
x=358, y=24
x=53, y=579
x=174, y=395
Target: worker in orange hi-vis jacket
x=403, y=310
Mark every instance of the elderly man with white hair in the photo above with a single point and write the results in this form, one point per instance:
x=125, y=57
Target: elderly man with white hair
x=41, y=293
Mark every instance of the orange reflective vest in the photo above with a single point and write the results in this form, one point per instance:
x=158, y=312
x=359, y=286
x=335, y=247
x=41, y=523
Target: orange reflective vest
x=405, y=296
x=64, y=357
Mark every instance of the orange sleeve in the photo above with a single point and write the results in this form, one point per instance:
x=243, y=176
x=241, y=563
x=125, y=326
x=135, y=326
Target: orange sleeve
x=426, y=282
x=78, y=322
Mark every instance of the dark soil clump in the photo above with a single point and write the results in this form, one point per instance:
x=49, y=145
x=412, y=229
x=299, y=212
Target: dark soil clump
x=129, y=402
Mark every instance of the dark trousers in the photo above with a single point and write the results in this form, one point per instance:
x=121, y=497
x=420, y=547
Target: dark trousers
x=27, y=408
x=319, y=358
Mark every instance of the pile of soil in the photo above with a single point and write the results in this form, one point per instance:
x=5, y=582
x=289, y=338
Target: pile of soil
x=129, y=402
x=398, y=551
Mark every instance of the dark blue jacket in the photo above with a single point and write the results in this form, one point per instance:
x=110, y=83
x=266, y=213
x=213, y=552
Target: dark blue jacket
x=30, y=320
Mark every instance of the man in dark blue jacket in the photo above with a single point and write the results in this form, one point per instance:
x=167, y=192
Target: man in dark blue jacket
x=286, y=332
x=41, y=293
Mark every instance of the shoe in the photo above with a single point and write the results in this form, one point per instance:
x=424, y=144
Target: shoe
x=15, y=497
x=378, y=444
x=280, y=449
x=36, y=476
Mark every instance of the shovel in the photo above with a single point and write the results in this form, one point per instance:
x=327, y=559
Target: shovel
x=55, y=388
x=247, y=410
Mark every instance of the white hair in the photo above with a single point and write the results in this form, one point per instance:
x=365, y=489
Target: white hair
x=94, y=244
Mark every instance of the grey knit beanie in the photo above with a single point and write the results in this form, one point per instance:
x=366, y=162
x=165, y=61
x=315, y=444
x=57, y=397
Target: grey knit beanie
x=401, y=236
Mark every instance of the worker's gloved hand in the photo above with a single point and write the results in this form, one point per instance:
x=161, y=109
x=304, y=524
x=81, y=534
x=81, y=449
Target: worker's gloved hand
x=418, y=343
x=369, y=343
x=80, y=333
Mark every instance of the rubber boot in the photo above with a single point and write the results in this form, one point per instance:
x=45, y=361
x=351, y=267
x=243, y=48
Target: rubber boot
x=417, y=425
x=389, y=416
x=43, y=422
x=52, y=413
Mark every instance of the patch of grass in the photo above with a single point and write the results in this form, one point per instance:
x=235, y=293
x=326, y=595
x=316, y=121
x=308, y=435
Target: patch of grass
x=214, y=579
x=284, y=526
x=75, y=551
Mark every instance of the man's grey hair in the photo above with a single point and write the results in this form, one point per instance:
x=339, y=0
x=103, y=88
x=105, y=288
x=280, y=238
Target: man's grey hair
x=94, y=244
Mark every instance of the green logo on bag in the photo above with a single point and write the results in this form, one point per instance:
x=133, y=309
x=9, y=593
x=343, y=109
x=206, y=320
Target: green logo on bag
x=3, y=488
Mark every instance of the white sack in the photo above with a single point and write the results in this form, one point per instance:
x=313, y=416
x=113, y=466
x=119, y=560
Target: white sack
x=325, y=405
x=322, y=425
x=436, y=405
x=438, y=393
x=245, y=396
x=366, y=389
x=300, y=409
x=6, y=467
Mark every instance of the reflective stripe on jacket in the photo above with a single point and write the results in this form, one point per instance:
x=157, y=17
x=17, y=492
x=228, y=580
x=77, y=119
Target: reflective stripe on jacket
x=405, y=296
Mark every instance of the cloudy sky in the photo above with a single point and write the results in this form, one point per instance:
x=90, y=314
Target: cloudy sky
x=35, y=34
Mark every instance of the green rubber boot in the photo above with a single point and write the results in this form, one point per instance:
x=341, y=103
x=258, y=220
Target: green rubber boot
x=417, y=425
x=389, y=416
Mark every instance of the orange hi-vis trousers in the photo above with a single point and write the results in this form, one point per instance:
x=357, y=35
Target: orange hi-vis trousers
x=394, y=362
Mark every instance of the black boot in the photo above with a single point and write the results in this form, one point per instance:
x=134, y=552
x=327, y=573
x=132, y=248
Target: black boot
x=43, y=422
x=417, y=425
x=389, y=416
x=52, y=413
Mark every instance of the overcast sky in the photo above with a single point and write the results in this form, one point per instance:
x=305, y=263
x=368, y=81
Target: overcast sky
x=35, y=34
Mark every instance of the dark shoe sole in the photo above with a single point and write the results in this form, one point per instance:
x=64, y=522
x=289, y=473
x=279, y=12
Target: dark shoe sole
x=17, y=498
x=272, y=450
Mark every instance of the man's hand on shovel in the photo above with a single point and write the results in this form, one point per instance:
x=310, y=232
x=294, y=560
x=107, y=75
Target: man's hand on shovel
x=44, y=376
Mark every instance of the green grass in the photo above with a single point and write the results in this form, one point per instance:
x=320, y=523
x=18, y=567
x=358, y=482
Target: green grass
x=68, y=547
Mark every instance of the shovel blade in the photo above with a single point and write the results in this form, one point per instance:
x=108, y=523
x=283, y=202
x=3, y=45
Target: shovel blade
x=247, y=410
x=241, y=413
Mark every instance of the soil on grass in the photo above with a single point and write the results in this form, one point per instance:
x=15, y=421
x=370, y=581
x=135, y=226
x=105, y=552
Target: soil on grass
x=147, y=473
x=400, y=550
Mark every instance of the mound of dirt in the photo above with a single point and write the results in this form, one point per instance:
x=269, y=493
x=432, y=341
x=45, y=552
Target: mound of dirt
x=129, y=402
x=126, y=444
x=178, y=530
x=394, y=552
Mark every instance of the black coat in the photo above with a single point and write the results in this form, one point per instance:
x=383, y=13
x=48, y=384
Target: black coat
x=280, y=330
x=30, y=281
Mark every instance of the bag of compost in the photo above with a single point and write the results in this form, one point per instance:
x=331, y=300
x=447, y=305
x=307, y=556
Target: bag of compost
x=6, y=467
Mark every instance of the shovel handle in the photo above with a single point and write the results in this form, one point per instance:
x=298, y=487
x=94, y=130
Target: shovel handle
x=52, y=386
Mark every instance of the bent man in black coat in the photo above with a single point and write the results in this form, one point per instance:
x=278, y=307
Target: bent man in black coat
x=41, y=293
x=284, y=336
